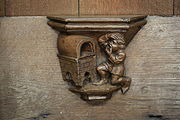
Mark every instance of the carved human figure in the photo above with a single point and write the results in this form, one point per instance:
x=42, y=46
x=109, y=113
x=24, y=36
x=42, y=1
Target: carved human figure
x=114, y=46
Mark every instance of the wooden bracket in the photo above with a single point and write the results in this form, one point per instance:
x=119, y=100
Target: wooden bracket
x=92, y=53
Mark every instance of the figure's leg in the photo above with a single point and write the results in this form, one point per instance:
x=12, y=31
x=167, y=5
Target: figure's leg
x=121, y=80
x=117, y=74
x=103, y=72
x=116, y=79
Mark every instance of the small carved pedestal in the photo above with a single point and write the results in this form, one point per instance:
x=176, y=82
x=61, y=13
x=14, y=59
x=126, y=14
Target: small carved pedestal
x=92, y=53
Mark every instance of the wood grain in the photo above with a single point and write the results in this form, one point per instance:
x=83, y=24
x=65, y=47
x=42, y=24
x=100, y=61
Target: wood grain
x=2, y=7
x=116, y=7
x=32, y=86
x=41, y=7
x=177, y=7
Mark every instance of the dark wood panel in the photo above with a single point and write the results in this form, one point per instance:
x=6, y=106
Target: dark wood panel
x=114, y=7
x=177, y=7
x=2, y=5
x=41, y=7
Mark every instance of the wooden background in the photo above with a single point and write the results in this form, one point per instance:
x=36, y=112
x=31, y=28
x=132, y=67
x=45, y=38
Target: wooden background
x=88, y=7
x=31, y=85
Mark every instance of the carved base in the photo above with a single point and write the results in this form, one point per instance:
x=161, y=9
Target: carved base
x=91, y=92
x=96, y=93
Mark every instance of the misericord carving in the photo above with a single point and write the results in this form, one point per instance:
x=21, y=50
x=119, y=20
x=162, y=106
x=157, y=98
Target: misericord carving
x=83, y=43
x=78, y=65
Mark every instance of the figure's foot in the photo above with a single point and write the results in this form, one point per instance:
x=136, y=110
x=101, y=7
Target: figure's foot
x=123, y=81
x=126, y=82
x=101, y=82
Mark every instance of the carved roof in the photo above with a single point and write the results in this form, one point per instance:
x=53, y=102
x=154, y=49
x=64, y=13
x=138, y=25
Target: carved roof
x=111, y=23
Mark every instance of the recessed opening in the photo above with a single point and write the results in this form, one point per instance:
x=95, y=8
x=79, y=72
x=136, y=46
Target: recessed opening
x=87, y=75
x=69, y=79
x=86, y=49
x=68, y=76
x=87, y=78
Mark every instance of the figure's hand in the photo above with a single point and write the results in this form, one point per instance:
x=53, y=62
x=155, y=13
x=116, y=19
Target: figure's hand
x=109, y=50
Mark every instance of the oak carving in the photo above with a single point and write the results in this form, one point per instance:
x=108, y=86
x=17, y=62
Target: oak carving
x=78, y=55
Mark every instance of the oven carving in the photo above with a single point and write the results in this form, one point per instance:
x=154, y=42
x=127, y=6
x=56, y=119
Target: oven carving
x=92, y=53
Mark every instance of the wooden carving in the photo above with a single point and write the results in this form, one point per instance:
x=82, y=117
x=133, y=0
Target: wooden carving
x=78, y=59
x=92, y=53
x=114, y=46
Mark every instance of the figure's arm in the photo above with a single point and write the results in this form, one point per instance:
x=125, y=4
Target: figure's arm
x=108, y=50
x=117, y=58
x=103, y=41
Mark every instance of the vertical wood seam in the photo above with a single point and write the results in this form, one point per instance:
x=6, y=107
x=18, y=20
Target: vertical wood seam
x=4, y=7
x=78, y=7
x=173, y=7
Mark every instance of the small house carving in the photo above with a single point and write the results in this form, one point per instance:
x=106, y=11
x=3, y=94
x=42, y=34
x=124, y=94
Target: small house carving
x=77, y=59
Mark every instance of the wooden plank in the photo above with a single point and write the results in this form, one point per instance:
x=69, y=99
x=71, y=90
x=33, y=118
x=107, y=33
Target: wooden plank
x=32, y=85
x=2, y=7
x=177, y=7
x=116, y=7
x=41, y=7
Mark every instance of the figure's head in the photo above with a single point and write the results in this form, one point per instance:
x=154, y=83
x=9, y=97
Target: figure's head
x=117, y=39
x=112, y=38
x=118, y=43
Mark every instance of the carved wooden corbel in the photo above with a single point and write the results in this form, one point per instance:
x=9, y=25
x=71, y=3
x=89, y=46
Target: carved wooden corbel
x=92, y=53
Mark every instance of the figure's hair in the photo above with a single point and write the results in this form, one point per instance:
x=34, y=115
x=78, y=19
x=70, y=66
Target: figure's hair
x=119, y=37
x=112, y=36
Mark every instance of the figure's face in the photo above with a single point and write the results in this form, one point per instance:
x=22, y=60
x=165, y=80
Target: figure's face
x=116, y=44
x=113, y=43
x=104, y=44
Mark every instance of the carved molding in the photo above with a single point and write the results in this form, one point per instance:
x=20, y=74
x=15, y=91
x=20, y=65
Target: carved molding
x=92, y=53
